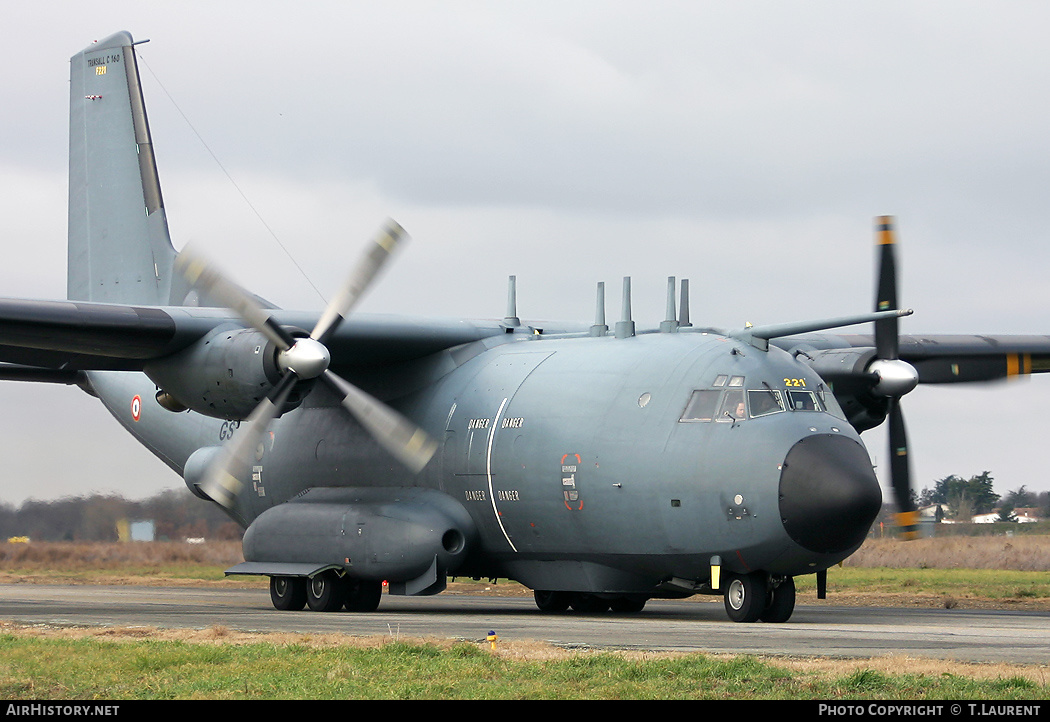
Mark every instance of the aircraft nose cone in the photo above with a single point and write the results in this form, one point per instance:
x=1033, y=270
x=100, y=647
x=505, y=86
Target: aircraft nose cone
x=829, y=495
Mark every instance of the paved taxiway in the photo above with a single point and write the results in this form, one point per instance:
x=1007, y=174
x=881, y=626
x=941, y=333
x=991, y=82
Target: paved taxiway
x=824, y=630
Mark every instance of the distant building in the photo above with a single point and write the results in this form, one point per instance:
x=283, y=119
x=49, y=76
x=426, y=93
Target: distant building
x=1026, y=515
x=935, y=512
x=939, y=513
x=143, y=530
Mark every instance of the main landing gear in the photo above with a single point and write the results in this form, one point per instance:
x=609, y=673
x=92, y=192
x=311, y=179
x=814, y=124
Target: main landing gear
x=325, y=592
x=759, y=596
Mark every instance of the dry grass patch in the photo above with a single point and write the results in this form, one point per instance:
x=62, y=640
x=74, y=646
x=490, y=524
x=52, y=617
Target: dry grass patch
x=109, y=555
x=1018, y=553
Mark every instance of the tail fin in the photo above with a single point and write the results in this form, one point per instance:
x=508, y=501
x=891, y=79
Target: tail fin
x=119, y=247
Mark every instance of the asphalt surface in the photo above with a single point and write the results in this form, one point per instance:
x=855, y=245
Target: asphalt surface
x=824, y=630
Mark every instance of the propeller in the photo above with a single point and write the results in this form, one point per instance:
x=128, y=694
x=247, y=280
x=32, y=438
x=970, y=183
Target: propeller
x=893, y=377
x=303, y=360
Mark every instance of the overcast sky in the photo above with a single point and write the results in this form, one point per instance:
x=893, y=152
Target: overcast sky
x=746, y=146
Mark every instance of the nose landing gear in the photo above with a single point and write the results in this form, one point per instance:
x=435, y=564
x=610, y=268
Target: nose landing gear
x=758, y=596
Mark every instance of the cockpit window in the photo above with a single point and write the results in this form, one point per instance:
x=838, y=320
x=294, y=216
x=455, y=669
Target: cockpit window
x=803, y=401
x=720, y=380
x=733, y=406
x=830, y=403
x=736, y=381
x=765, y=402
x=702, y=405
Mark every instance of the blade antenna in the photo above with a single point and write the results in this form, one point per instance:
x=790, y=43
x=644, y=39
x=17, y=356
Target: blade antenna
x=625, y=326
x=670, y=322
x=599, y=328
x=683, y=306
x=511, y=319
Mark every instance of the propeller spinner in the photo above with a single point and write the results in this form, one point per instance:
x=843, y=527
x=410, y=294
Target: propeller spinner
x=305, y=359
x=893, y=377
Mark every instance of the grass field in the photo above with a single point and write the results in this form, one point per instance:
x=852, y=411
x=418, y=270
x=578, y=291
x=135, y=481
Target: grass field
x=119, y=664
x=85, y=668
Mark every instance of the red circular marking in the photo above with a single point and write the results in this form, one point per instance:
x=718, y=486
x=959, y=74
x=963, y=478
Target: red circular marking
x=136, y=407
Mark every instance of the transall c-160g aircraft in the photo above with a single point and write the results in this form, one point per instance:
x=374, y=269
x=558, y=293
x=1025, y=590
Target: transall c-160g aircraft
x=599, y=466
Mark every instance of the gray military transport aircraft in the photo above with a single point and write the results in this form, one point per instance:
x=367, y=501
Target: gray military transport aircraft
x=598, y=466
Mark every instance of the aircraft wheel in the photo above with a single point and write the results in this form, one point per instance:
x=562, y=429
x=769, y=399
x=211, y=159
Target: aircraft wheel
x=628, y=605
x=326, y=592
x=363, y=596
x=588, y=603
x=780, y=602
x=551, y=601
x=745, y=596
x=288, y=593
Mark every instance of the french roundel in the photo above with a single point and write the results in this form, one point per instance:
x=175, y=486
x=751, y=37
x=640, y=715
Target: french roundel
x=136, y=408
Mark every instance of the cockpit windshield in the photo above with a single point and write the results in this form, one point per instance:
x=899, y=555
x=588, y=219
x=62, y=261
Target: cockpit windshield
x=733, y=406
x=702, y=405
x=803, y=401
x=765, y=401
x=730, y=400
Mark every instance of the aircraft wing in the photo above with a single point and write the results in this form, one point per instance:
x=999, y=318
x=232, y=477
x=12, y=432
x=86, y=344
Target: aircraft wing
x=71, y=336
x=950, y=358
x=953, y=359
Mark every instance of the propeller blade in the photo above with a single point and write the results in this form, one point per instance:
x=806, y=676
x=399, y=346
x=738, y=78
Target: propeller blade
x=412, y=446
x=886, y=330
x=204, y=275
x=383, y=245
x=222, y=481
x=895, y=377
x=900, y=472
x=304, y=359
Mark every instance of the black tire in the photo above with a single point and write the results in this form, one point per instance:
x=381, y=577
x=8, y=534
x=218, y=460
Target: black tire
x=551, y=602
x=326, y=592
x=745, y=596
x=628, y=605
x=588, y=603
x=363, y=596
x=288, y=593
x=780, y=602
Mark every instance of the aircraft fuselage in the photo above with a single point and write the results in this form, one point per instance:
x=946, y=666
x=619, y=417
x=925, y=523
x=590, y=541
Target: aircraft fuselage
x=591, y=464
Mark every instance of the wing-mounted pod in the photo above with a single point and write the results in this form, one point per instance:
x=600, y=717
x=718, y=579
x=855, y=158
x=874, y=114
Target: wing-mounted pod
x=409, y=537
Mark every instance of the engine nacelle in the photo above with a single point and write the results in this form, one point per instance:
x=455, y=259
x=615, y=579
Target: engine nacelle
x=847, y=371
x=395, y=534
x=862, y=383
x=224, y=375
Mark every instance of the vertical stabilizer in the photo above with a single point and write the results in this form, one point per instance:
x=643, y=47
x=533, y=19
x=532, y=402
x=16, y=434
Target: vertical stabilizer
x=119, y=247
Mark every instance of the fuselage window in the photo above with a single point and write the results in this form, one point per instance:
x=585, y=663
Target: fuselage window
x=764, y=402
x=803, y=401
x=702, y=405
